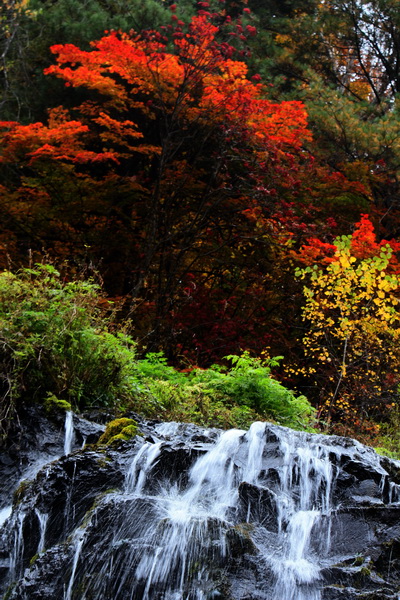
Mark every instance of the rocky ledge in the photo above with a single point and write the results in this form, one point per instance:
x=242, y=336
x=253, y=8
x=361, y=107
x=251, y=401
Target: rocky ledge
x=180, y=511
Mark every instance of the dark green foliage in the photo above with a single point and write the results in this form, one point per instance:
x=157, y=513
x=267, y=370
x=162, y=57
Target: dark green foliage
x=56, y=350
x=388, y=442
x=27, y=93
x=155, y=366
x=54, y=343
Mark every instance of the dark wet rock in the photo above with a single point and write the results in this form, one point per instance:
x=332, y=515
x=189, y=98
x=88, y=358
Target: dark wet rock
x=239, y=540
x=87, y=432
x=37, y=440
x=46, y=576
x=359, y=577
x=392, y=468
x=258, y=504
x=40, y=441
x=345, y=593
x=362, y=471
x=174, y=463
x=81, y=528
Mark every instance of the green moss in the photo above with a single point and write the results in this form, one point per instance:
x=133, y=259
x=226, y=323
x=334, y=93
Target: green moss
x=129, y=431
x=7, y=595
x=21, y=490
x=95, y=504
x=54, y=405
x=119, y=429
x=103, y=462
x=395, y=454
x=33, y=559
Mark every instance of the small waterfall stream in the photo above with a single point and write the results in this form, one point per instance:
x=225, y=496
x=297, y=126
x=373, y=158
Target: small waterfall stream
x=69, y=432
x=235, y=514
x=18, y=517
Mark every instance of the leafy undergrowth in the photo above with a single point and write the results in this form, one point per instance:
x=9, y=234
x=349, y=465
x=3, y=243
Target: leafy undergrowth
x=388, y=440
x=56, y=348
x=222, y=396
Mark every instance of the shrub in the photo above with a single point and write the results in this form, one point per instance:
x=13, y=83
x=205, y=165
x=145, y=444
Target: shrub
x=56, y=350
x=249, y=383
x=224, y=397
x=54, y=342
x=388, y=440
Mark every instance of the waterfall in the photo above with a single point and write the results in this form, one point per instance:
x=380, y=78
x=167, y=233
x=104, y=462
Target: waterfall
x=42, y=518
x=170, y=537
x=69, y=432
x=4, y=514
x=306, y=485
x=78, y=542
x=201, y=516
x=18, y=545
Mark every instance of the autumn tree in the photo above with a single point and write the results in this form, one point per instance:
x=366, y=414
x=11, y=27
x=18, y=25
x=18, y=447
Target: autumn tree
x=172, y=158
x=351, y=315
x=28, y=28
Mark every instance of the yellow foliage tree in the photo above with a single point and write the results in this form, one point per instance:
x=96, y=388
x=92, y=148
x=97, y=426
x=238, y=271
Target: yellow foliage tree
x=352, y=316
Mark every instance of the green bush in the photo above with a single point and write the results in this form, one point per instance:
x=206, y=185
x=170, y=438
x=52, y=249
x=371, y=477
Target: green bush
x=54, y=343
x=56, y=350
x=249, y=383
x=224, y=397
x=155, y=366
x=388, y=440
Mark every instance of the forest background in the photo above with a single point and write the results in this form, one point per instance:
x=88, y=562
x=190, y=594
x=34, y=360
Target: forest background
x=200, y=210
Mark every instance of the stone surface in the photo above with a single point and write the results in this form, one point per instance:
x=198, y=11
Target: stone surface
x=77, y=508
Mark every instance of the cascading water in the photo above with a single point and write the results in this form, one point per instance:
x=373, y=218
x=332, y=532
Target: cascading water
x=234, y=515
x=167, y=551
x=42, y=518
x=69, y=432
x=4, y=514
x=306, y=493
x=16, y=519
x=43, y=459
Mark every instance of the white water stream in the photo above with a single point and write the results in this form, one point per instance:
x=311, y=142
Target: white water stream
x=173, y=532
x=173, y=545
x=18, y=517
x=69, y=433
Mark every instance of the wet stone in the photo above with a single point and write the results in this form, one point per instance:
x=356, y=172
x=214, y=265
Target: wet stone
x=257, y=504
x=194, y=513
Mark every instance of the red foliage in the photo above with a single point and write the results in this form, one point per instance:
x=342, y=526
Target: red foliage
x=197, y=167
x=364, y=244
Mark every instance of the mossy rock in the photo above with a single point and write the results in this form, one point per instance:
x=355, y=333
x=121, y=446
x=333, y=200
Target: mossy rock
x=239, y=540
x=21, y=490
x=120, y=429
x=34, y=559
x=54, y=405
x=96, y=503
